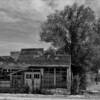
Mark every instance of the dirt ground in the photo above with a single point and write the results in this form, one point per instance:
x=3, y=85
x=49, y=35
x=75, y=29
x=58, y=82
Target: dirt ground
x=94, y=95
x=46, y=97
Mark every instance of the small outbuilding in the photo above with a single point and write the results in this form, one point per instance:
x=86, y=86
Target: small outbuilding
x=43, y=72
x=36, y=70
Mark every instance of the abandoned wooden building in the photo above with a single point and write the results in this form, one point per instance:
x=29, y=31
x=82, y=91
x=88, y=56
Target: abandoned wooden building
x=38, y=70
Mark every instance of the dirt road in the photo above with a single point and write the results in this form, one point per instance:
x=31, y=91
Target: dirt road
x=43, y=97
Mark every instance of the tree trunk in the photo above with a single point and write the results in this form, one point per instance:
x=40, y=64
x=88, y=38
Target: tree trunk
x=78, y=81
x=75, y=84
x=83, y=82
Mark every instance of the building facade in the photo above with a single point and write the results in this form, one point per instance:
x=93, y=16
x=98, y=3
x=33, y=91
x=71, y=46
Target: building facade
x=37, y=71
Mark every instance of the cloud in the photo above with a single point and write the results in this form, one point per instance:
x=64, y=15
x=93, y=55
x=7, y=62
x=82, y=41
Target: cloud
x=29, y=8
x=38, y=9
x=60, y=4
x=6, y=18
x=20, y=21
x=95, y=5
x=7, y=47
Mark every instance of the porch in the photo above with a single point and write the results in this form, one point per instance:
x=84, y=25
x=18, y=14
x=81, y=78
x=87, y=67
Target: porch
x=42, y=78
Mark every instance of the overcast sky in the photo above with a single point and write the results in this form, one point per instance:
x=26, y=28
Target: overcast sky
x=20, y=21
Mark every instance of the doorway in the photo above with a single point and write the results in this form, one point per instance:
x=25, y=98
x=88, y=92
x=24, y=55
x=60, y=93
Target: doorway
x=36, y=81
x=33, y=80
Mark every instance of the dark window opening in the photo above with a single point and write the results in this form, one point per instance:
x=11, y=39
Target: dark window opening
x=36, y=76
x=64, y=76
x=28, y=76
x=58, y=70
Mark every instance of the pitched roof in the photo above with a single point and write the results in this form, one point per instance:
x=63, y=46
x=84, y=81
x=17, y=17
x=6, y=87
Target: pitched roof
x=37, y=56
x=46, y=60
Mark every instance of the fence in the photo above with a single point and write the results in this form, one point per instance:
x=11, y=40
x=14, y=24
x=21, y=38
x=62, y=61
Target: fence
x=4, y=84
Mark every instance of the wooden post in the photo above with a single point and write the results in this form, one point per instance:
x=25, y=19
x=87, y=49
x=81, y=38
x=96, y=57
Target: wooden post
x=42, y=71
x=42, y=79
x=11, y=80
x=69, y=79
x=54, y=77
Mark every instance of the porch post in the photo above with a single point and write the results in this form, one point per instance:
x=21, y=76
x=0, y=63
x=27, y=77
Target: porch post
x=10, y=80
x=54, y=77
x=42, y=79
x=69, y=79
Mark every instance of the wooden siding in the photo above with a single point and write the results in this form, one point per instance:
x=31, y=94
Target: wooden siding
x=47, y=80
x=17, y=81
x=50, y=80
x=4, y=84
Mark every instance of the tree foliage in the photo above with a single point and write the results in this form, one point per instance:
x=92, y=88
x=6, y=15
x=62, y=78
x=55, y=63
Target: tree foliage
x=73, y=30
x=95, y=59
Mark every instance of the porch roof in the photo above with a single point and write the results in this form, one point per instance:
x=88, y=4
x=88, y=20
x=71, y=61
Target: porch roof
x=25, y=66
x=55, y=61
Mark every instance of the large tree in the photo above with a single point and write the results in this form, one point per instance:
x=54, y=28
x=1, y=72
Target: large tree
x=72, y=30
x=96, y=46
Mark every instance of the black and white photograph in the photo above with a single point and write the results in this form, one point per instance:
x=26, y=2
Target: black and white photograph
x=49, y=49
